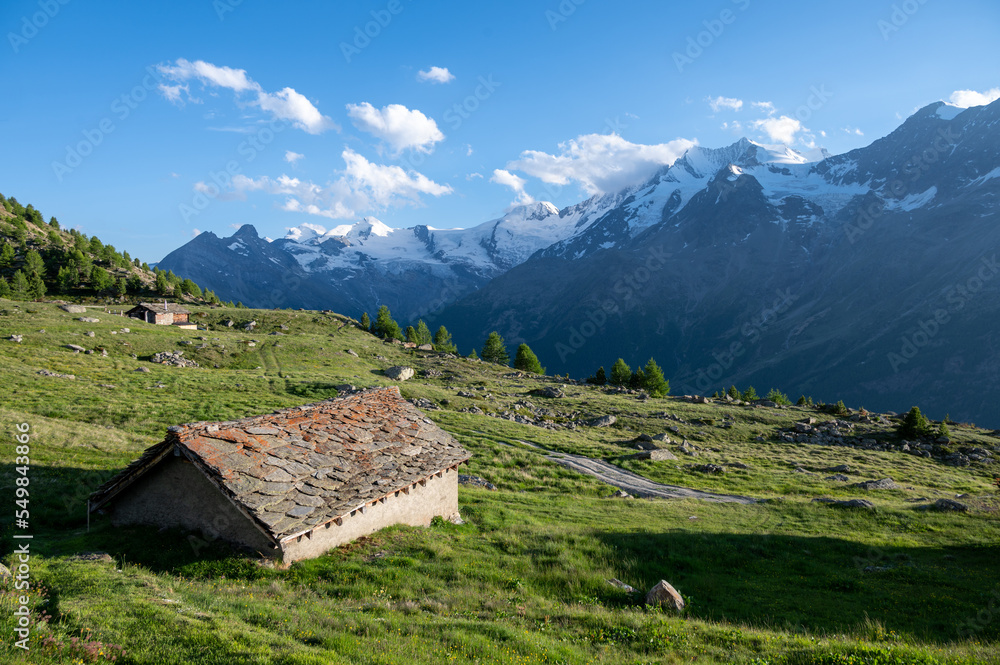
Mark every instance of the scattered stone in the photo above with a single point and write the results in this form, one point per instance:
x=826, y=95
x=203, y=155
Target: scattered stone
x=603, y=421
x=399, y=373
x=548, y=391
x=476, y=481
x=710, y=468
x=109, y=386
x=75, y=348
x=665, y=596
x=345, y=388
x=73, y=309
x=89, y=333
x=88, y=319
x=425, y=404
x=843, y=468
x=621, y=494
x=46, y=372
x=173, y=358
x=283, y=327
x=16, y=338
x=853, y=503
x=621, y=585
x=250, y=326
x=142, y=369
x=738, y=465
x=950, y=505
x=662, y=437
x=229, y=323
x=102, y=557
x=125, y=331
x=839, y=477
x=425, y=347
x=655, y=455
x=883, y=484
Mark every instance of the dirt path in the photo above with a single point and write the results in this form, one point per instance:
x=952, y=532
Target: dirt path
x=637, y=485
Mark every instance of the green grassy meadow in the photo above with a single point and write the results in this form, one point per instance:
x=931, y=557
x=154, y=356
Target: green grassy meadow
x=526, y=578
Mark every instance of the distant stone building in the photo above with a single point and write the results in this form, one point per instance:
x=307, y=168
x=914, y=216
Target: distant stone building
x=164, y=314
x=297, y=482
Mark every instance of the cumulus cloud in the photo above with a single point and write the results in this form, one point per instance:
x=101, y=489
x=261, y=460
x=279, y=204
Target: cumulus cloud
x=362, y=187
x=600, y=162
x=286, y=104
x=292, y=157
x=473, y=176
x=725, y=103
x=968, y=98
x=766, y=107
x=516, y=183
x=435, y=75
x=397, y=125
x=779, y=130
x=856, y=131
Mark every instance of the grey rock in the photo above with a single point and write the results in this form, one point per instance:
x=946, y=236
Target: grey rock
x=548, y=391
x=351, y=352
x=950, y=505
x=142, y=369
x=864, y=504
x=714, y=469
x=666, y=596
x=88, y=319
x=76, y=348
x=16, y=338
x=425, y=347
x=400, y=373
x=621, y=585
x=883, y=484
x=603, y=421
x=73, y=309
x=839, y=477
x=475, y=481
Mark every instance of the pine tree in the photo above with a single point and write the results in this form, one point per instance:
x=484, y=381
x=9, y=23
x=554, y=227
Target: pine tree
x=733, y=392
x=385, y=327
x=473, y=355
x=190, y=288
x=424, y=333
x=526, y=360
x=6, y=256
x=600, y=378
x=100, y=280
x=411, y=334
x=36, y=287
x=802, y=401
x=33, y=264
x=4, y=288
x=749, y=395
x=443, y=342
x=366, y=322
x=915, y=424
x=495, y=350
x=121, y=287
x=637, y=380
x=655, y=384
x=621, y=373
x=19, y=286
x=777, y=397
x=162, y=286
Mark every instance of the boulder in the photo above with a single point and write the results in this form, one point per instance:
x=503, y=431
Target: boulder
x=603, y=421
x=661, y=437
x=75, y=348
x=17, y=338
x=843, y=468
x=621, y=494
x=839, y=477
x=710, y=468
x=351, y=352
x=73, y=309
x=665, y=596
x=400, y=373
x=549, y=391
x=655, y=455
x=475, y=481
x=425, y=347
x=142, y=369
x=88, y=319
x=621, y=585
x=883, y=484
x=950, y=505
x=853, y=503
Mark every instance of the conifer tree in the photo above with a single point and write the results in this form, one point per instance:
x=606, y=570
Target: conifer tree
x=655, y=384
x=495, y=350
x=385, y=327
x=621, y=373
x=4, y=288
x=6, y=256
x=424, y=333
x=411, y=334
x=366, y=322
x=473, y=355
x=19, y=286
x=600, y=378
x=443, y=342
x=526, y=360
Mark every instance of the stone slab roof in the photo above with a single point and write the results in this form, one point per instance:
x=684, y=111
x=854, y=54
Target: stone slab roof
x=299, y=468
x=164, y=308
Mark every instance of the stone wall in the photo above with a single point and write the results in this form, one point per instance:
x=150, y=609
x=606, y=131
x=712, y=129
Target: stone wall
x=439, y=496
x=176, y=494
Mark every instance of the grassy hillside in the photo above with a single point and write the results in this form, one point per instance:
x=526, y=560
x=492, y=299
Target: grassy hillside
x=526, y=578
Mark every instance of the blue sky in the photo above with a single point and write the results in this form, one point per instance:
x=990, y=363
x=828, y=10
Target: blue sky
x=146, y=123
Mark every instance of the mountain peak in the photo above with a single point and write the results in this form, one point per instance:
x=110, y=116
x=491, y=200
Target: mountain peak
x=536, y=210
x=246, y=231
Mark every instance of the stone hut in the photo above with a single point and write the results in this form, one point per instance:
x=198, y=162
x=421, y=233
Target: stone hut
x=298, y=482
x=164, y=314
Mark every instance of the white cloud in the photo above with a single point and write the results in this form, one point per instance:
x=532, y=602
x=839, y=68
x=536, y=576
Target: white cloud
x=725, y=103
x=286, y=104
x=516, y=183
x=195, y=233
x=435, y=75
x=735, y=126
x=967, y=98
x=362, y=187
x=292, y=157
x=855, y=131
x=473, y=176
x=468, y=149
x=600, y=162
x=397, y=125
x=781, y=129
x=766, y=107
